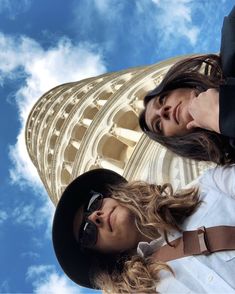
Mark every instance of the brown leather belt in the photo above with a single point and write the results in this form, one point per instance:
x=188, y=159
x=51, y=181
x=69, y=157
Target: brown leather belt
x=201, y=241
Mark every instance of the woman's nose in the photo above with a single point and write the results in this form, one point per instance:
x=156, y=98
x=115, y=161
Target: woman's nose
x=164, y=112
x=97, y=217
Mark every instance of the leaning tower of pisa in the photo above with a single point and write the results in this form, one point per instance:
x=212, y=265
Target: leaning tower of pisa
x=93, y=123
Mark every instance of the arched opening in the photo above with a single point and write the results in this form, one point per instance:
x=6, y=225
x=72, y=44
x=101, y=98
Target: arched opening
x=65, y=177
x=90, y=112
x=59, y=123
x=69, y=107
x=111, y=148
x=53, y=141
x=49, y=158
x=126, y=119
x=78, y=132
x=70, y=153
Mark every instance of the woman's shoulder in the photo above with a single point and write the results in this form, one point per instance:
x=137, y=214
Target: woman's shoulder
x=220, y=178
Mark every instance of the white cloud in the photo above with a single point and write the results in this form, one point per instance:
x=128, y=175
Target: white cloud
x=109, y=9
x=56, y=284
x=155, y=26
x=46, y=280
x=12, y=8
x=3, y=216
x=174, y=19
x=98, y=18
x=30, y=254
x=4, y=286
x=23, y=171
x=103, y=6
x=42, y=69
x=34, y=216
x=24, y=214
x=46, y=212
x=166, y=22
x=39, y=271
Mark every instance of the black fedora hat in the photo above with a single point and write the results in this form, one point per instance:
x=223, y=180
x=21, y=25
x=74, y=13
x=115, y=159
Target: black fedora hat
x=76, y=263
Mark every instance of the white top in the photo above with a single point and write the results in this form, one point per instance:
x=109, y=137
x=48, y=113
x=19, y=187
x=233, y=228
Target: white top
x=213, y=273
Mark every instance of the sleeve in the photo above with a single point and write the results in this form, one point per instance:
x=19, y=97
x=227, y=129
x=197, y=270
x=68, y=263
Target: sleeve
x=221, y=178
x=227, y=108
x=227, y=91
x=227, y=49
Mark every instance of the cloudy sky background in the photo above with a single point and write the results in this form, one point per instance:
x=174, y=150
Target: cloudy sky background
x=46, y=43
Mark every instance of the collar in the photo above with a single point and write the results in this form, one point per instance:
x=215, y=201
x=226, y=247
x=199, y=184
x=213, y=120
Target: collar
x=145, y=249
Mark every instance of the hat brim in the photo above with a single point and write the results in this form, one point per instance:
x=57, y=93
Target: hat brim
x=75, y=263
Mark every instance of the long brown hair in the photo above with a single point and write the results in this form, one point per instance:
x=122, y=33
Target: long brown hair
x=200, y=73
x=156, y=208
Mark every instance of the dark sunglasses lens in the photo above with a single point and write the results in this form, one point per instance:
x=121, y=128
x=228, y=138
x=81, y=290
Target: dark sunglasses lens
x=88, y=233
x=96, y=204
x=89, y=236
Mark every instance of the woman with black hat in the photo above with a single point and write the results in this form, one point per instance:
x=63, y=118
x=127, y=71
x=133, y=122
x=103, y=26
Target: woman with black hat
x=141, y=238
x=192, y=111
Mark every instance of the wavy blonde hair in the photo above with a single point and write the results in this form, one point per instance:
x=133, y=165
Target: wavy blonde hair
x=155, y=208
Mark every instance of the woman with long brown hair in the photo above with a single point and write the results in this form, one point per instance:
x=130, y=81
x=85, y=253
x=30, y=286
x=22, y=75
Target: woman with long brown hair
x=110, y=234
x=192, y=111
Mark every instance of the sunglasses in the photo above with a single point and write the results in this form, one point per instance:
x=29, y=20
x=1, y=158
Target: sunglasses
x=88, y=231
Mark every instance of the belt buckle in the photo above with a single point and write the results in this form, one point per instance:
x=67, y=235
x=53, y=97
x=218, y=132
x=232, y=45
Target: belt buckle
x=202, y=240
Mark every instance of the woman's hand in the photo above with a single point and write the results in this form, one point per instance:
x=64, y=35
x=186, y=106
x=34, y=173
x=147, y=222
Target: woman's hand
x=204, y=110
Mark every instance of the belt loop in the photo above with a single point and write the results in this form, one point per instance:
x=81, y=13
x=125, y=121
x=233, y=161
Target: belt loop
x=203, y=243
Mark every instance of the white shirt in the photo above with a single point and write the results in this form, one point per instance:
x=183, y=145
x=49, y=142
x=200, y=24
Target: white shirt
x=213, y=273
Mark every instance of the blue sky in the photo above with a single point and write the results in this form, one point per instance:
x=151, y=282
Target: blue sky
x=48, y=42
